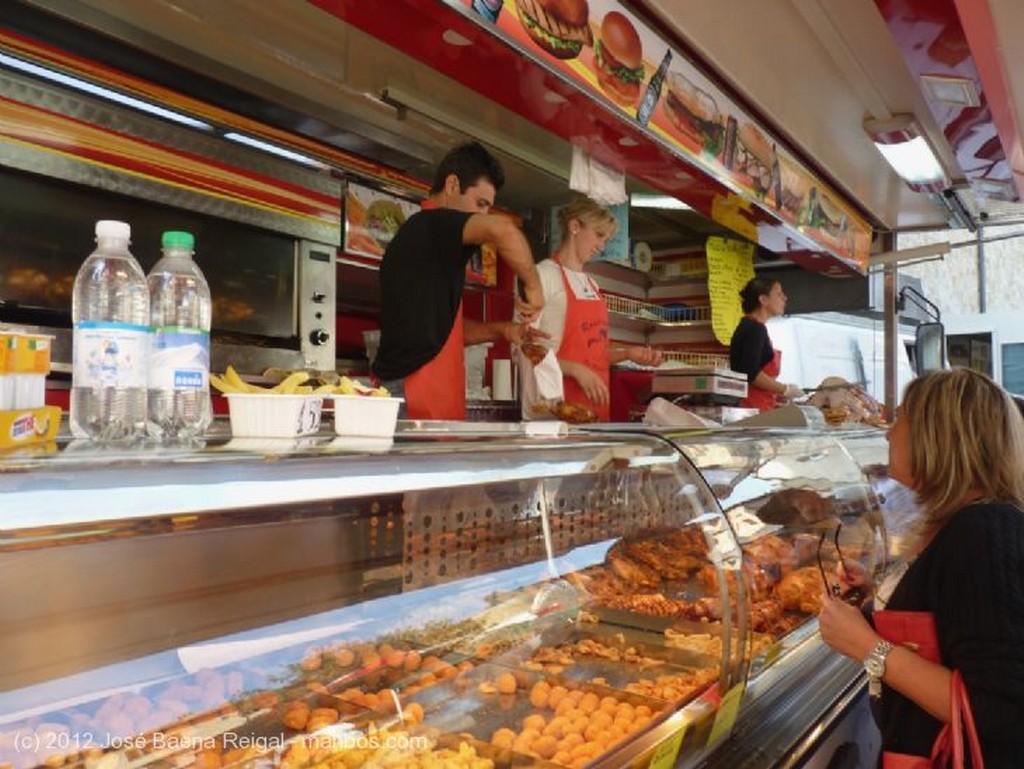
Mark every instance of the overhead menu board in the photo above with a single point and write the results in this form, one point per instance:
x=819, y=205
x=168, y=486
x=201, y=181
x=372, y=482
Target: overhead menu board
x=609, y=52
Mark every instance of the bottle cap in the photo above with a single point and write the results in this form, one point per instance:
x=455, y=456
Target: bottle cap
x=178, y=239
x=109, y=228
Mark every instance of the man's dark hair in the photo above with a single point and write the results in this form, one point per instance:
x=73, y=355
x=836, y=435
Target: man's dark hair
x=470, y=163
x=753, y=291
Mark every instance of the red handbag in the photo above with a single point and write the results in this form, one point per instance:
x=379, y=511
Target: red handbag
x=912, y=629
x=948, y=749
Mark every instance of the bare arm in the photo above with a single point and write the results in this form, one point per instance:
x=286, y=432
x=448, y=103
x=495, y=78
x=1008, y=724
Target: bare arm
x=513, y=250
x=766, y=382
x=592, y=384
x=639, y=354
x=513, y=332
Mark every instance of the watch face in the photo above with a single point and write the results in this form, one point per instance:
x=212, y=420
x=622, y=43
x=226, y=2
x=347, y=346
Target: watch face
x=874, y=667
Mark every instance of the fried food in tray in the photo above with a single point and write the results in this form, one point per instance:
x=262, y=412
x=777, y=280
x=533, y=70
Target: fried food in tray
x=631, y=661
x=801, y=590
x=565, y=722
x=659, y=576
x=572, y=413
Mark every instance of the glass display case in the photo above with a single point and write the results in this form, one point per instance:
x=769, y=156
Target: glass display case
x=598, y=599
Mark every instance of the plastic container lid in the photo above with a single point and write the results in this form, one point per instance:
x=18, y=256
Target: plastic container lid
x=178, y=239
x=110, y=228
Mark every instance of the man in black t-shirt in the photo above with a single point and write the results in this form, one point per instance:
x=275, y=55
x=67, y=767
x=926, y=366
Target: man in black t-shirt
x=422, y=276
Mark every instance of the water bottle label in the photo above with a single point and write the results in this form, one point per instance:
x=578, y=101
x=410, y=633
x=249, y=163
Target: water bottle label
x=109, y=355
x=179, y=359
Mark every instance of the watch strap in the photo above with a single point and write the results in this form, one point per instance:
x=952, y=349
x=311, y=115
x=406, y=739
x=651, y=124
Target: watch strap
x=874, y=666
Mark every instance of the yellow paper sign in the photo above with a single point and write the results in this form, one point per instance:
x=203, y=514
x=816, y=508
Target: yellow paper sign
x=730, y=267
x=725, y=718
x=728, y=211
x=664, y=757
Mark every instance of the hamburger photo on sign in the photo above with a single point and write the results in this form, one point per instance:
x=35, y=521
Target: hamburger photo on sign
x=694, y=115
x=619, y=59
x=755, y=159
x=560, y=27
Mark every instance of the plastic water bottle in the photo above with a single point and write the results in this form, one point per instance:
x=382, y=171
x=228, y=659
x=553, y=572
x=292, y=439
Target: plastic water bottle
x=179, y=362
x=110, y=314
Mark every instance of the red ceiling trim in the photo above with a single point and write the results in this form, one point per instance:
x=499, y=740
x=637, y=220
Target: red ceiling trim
x=933, y=40
x=517, y=83
x=980, y=31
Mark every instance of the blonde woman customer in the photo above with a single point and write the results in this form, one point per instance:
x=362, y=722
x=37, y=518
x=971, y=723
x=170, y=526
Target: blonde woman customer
x=958, y=444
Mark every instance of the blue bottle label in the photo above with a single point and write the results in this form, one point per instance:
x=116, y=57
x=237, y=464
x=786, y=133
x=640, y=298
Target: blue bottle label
x=179, y=359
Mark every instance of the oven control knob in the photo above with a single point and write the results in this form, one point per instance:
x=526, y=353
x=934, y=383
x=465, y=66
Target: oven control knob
x=319, y=337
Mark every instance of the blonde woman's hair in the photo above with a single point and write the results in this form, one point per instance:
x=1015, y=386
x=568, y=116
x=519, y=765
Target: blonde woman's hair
x=589, y=214
x=966, y=439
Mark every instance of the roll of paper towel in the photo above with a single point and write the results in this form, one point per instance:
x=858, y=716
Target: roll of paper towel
x=501, y=379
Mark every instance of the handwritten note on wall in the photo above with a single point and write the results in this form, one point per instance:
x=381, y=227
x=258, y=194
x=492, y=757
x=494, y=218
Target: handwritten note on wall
x=730, y=267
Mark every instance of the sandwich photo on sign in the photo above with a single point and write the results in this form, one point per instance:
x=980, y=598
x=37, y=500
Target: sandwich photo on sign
x=619, y=59
x=824, y=215
x=560, y=27
x=694, y=114
x=755, y=159
x=794, y=192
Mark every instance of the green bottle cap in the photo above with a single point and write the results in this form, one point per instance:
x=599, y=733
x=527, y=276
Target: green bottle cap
x=178, y=239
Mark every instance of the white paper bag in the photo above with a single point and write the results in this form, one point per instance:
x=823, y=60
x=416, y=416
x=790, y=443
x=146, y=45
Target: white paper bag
x=540, y=386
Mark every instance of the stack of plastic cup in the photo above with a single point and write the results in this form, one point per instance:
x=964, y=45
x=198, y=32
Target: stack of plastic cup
x=6, y=376
x=28, y=368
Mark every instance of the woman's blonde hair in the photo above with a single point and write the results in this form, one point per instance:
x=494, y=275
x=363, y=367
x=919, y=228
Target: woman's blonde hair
x=966, y=442
x=589, y=214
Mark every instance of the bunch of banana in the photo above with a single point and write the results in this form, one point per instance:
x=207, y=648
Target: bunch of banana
x=293, y=383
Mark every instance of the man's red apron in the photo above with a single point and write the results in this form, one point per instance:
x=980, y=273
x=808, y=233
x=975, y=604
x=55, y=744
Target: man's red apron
x=585, y=340
x=437, y=389
x=765, y=400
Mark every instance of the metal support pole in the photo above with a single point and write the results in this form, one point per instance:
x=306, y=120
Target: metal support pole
x=892, y=338
x=982, y=279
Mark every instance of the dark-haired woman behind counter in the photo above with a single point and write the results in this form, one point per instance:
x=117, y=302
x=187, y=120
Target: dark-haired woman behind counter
x=751, y=351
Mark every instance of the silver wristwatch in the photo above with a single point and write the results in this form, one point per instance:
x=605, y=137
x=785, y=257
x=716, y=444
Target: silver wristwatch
x=874, y=666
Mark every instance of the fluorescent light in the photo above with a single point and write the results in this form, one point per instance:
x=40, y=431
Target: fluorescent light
x=104, y=93
x=905, y=148
x=912, y=160
x=639, y=200
x=273, y=149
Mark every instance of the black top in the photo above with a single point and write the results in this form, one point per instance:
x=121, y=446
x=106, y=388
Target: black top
x=421, y=279
x=750, y=349
x=971, y=577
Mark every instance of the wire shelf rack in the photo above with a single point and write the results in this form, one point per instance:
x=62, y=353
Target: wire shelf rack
x=655, y=313
x=702, y=359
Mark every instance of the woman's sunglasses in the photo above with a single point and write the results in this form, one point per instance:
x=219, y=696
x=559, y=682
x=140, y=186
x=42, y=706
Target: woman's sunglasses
x=857, y=593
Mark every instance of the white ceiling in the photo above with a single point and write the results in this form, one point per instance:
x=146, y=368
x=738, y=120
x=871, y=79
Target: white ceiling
x=815, y=68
